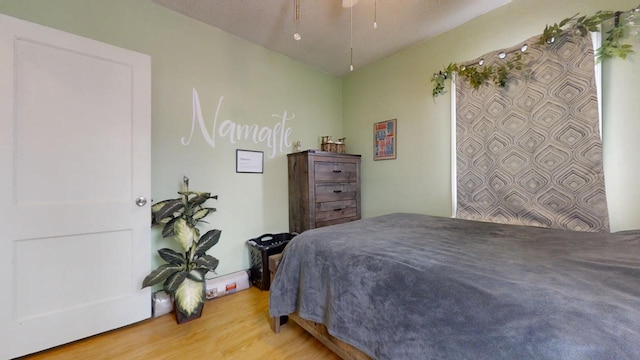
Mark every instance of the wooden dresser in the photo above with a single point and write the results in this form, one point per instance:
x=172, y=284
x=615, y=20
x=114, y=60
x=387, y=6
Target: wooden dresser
x=324, y=189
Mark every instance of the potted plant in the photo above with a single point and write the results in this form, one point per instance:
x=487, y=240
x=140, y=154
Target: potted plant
x=183, y=275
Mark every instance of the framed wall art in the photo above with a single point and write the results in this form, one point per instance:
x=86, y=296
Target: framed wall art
x=249, y=161
x=384, y=139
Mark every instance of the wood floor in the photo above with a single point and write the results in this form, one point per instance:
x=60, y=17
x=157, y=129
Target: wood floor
x=232, y=327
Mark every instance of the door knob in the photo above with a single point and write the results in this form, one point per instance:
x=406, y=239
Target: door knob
x=141, y=201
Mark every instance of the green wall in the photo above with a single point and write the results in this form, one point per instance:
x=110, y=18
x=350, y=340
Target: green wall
x=399, y=87
x=255, y=83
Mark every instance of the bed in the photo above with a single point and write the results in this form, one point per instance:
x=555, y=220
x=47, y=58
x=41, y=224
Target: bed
x=410, y=286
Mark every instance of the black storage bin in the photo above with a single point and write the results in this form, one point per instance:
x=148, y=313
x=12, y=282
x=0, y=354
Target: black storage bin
x=260, y=249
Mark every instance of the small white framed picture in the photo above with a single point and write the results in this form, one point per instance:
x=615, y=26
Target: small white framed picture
x=249, y=161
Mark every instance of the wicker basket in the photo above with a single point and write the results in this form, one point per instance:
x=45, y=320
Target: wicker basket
x=330, y=147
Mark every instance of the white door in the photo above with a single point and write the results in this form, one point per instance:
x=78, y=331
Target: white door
x=74, y=156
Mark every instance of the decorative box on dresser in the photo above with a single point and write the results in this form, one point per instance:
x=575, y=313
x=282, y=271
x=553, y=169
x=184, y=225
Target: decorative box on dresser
x=324, y=189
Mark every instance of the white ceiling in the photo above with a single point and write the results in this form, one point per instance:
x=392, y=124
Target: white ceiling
x=325, y=25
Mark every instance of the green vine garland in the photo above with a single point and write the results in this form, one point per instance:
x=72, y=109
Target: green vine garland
x=611, y=47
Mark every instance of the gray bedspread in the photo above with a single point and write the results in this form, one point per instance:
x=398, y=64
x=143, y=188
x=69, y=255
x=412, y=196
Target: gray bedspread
x=408, y=286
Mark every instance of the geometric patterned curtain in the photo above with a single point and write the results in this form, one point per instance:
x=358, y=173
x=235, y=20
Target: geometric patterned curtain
x=530, y=153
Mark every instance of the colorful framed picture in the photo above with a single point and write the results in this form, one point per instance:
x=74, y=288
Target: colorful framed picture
x=384, y=139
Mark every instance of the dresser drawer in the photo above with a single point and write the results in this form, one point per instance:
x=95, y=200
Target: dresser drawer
x=336, y=221
x=336, y=191
x=335, y=171
x=332, y=210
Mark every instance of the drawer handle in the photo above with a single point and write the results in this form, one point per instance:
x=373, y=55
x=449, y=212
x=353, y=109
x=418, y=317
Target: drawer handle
x=337, y=209
x=337, y=171
x=337, y=191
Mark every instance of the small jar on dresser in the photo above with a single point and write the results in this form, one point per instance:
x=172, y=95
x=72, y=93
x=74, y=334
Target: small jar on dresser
x=324, y=189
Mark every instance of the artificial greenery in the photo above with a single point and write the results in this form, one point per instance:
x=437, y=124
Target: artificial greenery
x=183, y=275
x=440, y=77
x=477, y=75
x=611, y=47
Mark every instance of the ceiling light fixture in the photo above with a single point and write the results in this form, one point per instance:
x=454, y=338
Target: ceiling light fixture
x=296, y=6
x=346, y=4
x=351, y=36
x=375, y=14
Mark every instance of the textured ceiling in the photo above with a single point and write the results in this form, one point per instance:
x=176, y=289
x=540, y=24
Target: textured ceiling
x=325, y=25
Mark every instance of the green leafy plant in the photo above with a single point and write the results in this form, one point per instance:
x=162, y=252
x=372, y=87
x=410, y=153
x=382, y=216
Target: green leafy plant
x=477, y=75
x=439, y=78
x=183, y=276
x=612, y=46
x=581, y=25
x=499, y=75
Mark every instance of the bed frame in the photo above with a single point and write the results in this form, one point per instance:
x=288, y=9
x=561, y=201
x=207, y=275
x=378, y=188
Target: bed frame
x=319, y=331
